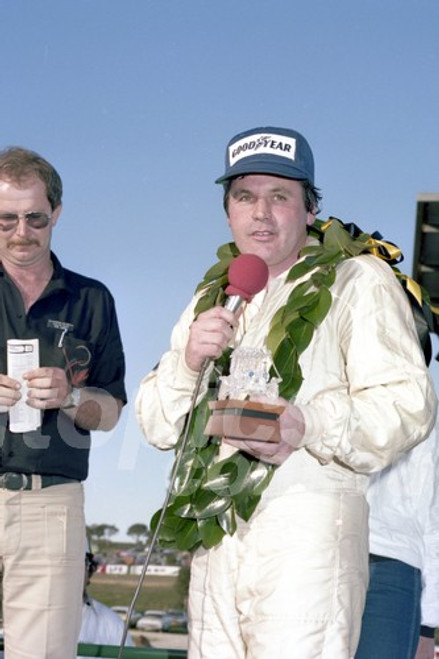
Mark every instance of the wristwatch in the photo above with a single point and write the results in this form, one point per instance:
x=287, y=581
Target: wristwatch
x=72, y=399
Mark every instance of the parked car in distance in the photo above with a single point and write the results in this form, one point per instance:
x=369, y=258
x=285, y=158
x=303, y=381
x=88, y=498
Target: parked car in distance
x=151, y=621
x=175, y=621
x=122, y=612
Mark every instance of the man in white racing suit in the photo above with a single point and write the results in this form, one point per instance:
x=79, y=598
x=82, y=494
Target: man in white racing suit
x=291, y=580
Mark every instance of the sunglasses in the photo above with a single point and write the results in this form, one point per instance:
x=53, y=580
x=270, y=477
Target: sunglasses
x=34, y=219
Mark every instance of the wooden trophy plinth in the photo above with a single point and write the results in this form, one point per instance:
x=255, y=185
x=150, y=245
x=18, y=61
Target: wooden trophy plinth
x=244, y=419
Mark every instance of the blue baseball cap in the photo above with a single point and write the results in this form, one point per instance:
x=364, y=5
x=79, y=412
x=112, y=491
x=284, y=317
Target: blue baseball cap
x=268, y=150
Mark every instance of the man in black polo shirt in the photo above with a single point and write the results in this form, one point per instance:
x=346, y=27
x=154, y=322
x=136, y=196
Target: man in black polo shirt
x=75, y=385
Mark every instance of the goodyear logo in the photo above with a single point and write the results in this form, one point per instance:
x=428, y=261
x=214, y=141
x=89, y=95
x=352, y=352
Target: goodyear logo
x=275, y=145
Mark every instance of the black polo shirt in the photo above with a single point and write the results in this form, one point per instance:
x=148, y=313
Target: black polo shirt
x=76, y=324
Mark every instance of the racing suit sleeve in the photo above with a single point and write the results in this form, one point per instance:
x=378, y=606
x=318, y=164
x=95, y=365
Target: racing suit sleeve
x=165, y=394
x=381, y=401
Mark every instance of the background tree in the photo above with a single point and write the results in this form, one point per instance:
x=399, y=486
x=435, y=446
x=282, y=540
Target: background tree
x=110, y=530
x=95, y=532
x=138, y=531
x=100, y=534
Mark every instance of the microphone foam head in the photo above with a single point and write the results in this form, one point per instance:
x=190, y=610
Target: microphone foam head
x=248, y=274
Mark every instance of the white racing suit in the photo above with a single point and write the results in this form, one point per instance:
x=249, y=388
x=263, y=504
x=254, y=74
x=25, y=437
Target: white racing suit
x=291, y=582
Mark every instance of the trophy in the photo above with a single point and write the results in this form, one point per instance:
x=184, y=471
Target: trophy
x=234, y=414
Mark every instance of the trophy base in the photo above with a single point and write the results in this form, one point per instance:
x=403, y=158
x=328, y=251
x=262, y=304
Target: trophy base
x=244, y=419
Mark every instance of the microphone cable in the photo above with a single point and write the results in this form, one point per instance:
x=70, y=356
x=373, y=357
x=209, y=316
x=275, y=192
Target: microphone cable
x=165, y=504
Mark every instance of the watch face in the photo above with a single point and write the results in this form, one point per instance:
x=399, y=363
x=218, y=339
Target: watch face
x=75, y=396
x=73, y=399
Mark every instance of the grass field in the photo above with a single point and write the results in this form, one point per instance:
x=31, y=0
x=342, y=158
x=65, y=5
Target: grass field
x=157, y=592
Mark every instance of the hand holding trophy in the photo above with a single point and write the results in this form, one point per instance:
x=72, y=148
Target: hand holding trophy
x=235, y=414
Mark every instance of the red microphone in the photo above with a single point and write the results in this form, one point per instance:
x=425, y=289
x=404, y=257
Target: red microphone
x=248, y=274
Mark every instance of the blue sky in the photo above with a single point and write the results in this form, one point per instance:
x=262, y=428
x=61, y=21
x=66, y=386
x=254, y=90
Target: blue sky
x=134, y=102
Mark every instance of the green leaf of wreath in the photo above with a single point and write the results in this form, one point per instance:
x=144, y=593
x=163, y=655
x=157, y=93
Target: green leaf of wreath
x=199, y=421
x=176, y=532
x=337, y=238
x=245, y=504
x=258, y=477
x=187, y=537
x=216, y=273
x=300, y=333
x=227, y=520
x=227, y=251
x=277, y=334
x=324, y=277
x=211, y=533
x=190, y=474
x=286, y=359
x=226, y=477
x=208, y=504
x=211, y=298
x=320, y=307
x=299, y=270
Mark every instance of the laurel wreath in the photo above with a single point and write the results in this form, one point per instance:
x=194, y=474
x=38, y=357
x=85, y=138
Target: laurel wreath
x=209, y=494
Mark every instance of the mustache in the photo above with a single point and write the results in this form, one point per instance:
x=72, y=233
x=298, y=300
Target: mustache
x=23, y=243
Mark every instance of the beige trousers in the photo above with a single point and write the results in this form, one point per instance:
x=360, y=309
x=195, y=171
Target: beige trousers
x=42, y=550
x=289, y=584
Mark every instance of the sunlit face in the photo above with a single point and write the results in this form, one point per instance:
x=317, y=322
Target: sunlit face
x=23, y=246
x=267, y=216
